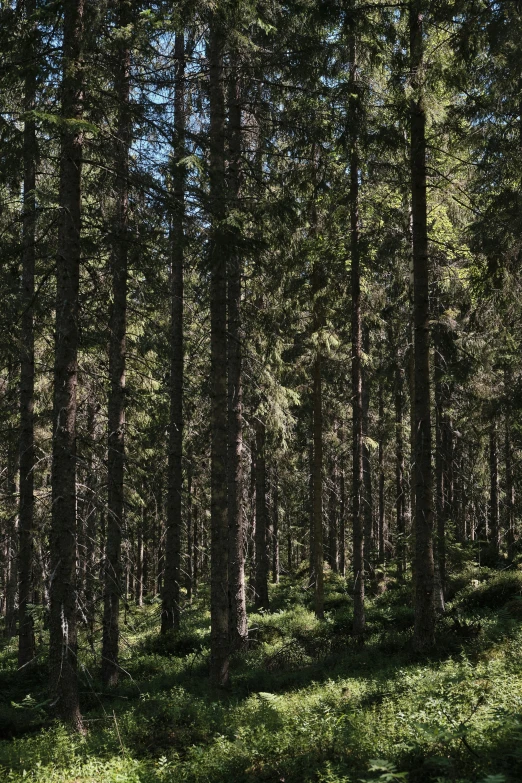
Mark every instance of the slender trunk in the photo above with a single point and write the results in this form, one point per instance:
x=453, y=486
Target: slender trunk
x=275, y=534
x=494, y=528
x=311, y=517
x=357, y=396
x=440, y=505
x=367, y=498
x=26, y=644
x=139, y=564
x=510, y=489
x=190, y=534
x=424, y=631
x=382, y=510
x=196, y=550
x=342, y=513
x=252, y=532
x=117, y=354
x=12, y=534
x=63, y=595
x=236, y=517
x=400, y=489
x=317, y=472
x=262, y=565
x=170, y=614
x=219, y=636
x=333, y=529
x=91, y=523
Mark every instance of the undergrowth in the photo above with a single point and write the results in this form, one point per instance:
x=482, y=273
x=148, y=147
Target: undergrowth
x=307, y=703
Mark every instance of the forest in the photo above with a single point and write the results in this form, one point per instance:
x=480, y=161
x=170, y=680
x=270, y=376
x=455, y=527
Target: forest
x=261, y=391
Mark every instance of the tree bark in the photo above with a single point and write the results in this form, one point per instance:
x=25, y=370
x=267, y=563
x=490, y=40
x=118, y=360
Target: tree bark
x=357, y=396
x=170, y=613
x=236, y=516
x=400, y=490
x=424, y=629
x=63, y=592
x=317, y=472
x=382, y=509
x=367, y=499
x=117, y=357
x=342, y=511
x=275, y=533
x=510, y=488
x=26, y=643
x=494, y=527
x=262, y=564
x=219, y=636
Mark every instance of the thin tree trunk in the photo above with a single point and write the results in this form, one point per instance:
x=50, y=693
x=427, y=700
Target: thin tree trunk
x=262, y=564
x=424, y=630
x=170, y=614
x=26, y=643
x=236, y=516
x=219, y=636
x=139, y=564
x=275, y=534
x=63, y=593
x=367, y=500
x=494, y=527
x=510, y=489
x=357, y=396
x=400, y=490
x=342, y=512
x=190, y=534
x=382, y=510
x=317, y=472
x=196, y=551
x=117, y=355
x=91, y=522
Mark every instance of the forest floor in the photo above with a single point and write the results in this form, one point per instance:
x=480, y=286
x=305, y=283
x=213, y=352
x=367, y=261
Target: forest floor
x=306, y=702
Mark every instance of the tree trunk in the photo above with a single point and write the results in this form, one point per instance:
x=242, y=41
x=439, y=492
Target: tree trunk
x=400, y=489
x=275, y=534
x=63, y=595
x=91, y=522
x=367, y=499
x=170, y=611
x=236, y=516
x=424, y=631
x=510, y=489
x=317, y=472
x=262, y=565
x=26, y=644
x=333, y=528
x=357, y=397
x=342, y=512
x=219, y=636
x=494, y=528
x=382, y=510
x=190, y=534
x=117, y=353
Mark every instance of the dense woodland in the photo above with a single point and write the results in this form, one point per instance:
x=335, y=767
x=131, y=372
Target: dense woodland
x=261, y=390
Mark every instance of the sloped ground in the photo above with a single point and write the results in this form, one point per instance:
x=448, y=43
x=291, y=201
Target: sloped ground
x=306, y=703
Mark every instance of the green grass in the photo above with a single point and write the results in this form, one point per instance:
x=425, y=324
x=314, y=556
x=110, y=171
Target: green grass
x=306, y=702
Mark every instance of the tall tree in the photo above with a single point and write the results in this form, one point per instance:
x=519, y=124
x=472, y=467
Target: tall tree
x=27, y=446
x=117, y=355
x=170, y=616
x=236, y=516
x=424, y=633
x=262, y=562
x=357, y=395
x=219, y=634
x=63, y=590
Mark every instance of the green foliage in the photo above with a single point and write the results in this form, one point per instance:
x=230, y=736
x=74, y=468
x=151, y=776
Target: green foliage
x=332, y=713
